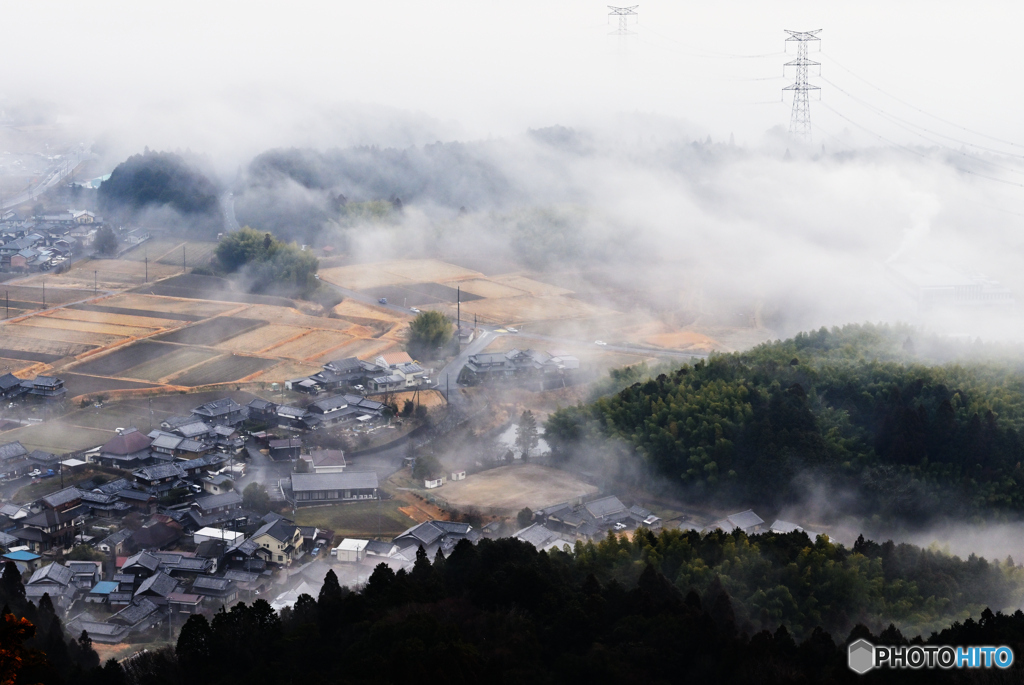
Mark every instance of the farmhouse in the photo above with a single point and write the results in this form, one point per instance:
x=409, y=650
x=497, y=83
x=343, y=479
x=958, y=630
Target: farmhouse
x=282, y=538
x=747, y=521
x=13, y=460
x=520, y=364
x=317, y=488
x=287, y=448
x=223, y=412
x=128, y=450
x=325, y=461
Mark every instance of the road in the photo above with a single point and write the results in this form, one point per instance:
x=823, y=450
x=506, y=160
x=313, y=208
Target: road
x=52, y=177
x=227, y=204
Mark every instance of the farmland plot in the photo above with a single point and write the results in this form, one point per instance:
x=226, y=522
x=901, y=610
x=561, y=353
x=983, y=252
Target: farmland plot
x=196, y=253
x=169, y=364
x=211, y=332
x=223, y=369
x=28, y=330
x=361, y=348
x=260, y=338
x=314, y=343
x=91, y=327
x=113, y=318
x=485, y=288
x=531, y=286
x=114, y=363
x=78, y=384
x=287, y=371
x=201, y=309
x=49, y=350
x=154, y=250
x=514, y=309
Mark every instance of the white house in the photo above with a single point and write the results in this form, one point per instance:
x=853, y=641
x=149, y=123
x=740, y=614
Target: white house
x=350, y=549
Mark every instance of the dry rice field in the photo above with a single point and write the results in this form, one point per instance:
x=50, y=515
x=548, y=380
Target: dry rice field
x=485, y=288
x=357, y=310
x=293, y=317
x=529, y=285
x=64, y=334
x=507, y=489
x=44, y=321
x=154, y=250
x=260, y=339
x=315, y=343
x=395, y=272
x=517, y=309
x=286, y=371
x=222, y=369
x=114, y=319
x=362, y=348
x=42, y=345
x=156, y=303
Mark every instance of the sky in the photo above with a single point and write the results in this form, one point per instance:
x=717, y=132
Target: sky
x=211, y=75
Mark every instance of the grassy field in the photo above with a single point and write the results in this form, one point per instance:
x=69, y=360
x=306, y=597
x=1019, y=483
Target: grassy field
x=358, y=519
x=57, y=437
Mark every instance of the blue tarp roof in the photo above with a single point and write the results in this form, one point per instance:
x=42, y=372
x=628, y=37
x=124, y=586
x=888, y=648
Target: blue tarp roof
x=21, y=555
x=104, y=587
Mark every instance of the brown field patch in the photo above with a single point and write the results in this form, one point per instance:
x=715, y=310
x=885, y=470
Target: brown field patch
x=507, y=489
x=293, y=317
x=357, y=310
x=428, y=398
x=363, y=348
x=154, y=250
x=42, y=345
x=157, y=303
x=286, y=371
x=114, y=319
x=27, y=330
x=43, y=321
x=359, y=276
x=260, y=339
x=395, y=272
x=518, y=309
x=531, y=286
x=487, y=288
x=17, y=366
x=223, y=369
x=315, y=343
x=684, y=340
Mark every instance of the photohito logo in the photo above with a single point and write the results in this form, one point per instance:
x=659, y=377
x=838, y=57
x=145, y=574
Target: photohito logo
x=864, y=656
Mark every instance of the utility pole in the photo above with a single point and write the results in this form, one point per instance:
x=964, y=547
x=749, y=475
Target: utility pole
x=458, y=308
x=623, y=13
x=44, y=294
x=7, y=301
x=183, y=259
x=800, y=118
x=95, y=282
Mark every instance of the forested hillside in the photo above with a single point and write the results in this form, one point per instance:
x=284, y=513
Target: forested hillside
x=848, y=408
x=155, y=179
x=670, y=608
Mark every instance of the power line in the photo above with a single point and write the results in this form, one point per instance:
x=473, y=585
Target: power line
x=623, y=13
x=918, y=109
x=800, y=117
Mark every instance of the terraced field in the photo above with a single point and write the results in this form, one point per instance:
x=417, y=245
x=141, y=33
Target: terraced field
x=260, y=338
x=211, y=332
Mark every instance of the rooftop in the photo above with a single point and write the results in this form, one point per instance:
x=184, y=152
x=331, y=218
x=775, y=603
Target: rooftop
x=306, y=482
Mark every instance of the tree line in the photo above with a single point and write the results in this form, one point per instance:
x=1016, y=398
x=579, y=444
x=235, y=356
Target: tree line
x=672, y=607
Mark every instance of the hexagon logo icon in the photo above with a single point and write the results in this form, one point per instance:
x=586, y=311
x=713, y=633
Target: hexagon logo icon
x=861, y=656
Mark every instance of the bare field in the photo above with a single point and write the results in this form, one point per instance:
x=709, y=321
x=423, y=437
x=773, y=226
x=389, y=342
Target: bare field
x=293, y=317
x=485, y=288
x=529, y=285
x=517, y=309
x=16, y=366
x=286, y=371
x=684, y=340
x=113, y=319
x=428, y=398
x=212, y=331
x=196, y=253
x=120, y=360
x=28, y=330
x=316, y=342
x=169, y=364
x=361, y=348
x=395, y=272
x=54, y=296
x=157, y=303
x=42, y=345
x=153, y=249
x=58, y=437
x=222, y=369
x=44, y=321
x=358, y=310
x=507, y=489
x=260, y=338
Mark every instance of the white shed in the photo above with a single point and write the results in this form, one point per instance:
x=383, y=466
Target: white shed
x=351, y=549
x=228, y=536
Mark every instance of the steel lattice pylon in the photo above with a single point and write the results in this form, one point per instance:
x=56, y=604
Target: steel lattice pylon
x=623, y=13
x=800, y=118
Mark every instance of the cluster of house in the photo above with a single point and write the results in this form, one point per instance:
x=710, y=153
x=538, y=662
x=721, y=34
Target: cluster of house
x=751, y=523
x=563, y=524
x=45, y=388
x=527, y=366
x=385, y=372
x=44, y=242
x=344, y=409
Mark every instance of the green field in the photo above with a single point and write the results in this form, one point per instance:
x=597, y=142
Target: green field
x=358, y=519
x=57, y=437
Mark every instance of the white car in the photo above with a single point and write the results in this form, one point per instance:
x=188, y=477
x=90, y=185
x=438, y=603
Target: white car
x=512, y=330
x=34, y=473
x=414, y=310
x=600, y=342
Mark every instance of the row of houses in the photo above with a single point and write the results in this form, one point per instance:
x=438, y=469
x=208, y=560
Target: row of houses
x=43, y=388
x=384, y=373
x=546, y=368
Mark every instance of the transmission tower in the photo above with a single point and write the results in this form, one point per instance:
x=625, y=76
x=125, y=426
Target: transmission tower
x=800, y=119
x=623, y=13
